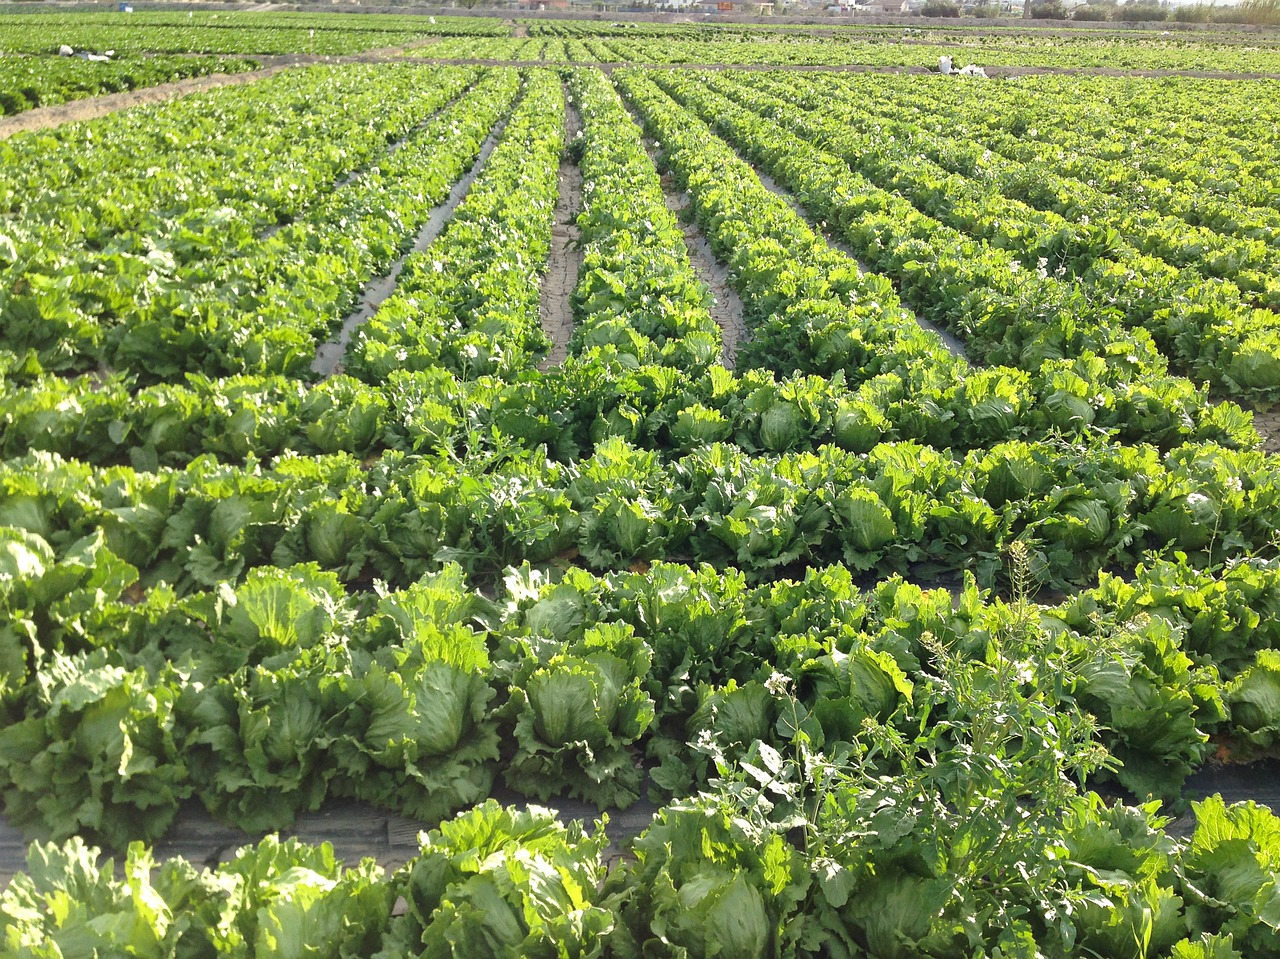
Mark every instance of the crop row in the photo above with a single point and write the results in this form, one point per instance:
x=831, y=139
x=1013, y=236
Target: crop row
x=952, y=285
x=1078, y=508
x=482, y=48
x=567, y=411
x=705, y=881
x=1204, y=326
x=839, y=51
x=1150, y=172
x=90, y=257
x=220, y=190
x=809, y=307
x=637, y=293
x=264, y=309
x=976, y=177
x=27, y=82
x=883, y=771
x=321, y=20
x=1005, y=312
x=213, y=34
x=468, y=304
x=936, y=400
x=216, y=147
x=413, y=699
x=1157, y=129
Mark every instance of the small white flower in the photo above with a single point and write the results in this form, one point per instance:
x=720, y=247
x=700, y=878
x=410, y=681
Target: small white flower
x=778, y=683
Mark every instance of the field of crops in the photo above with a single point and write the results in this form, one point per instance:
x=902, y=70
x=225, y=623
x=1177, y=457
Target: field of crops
x=859, y=470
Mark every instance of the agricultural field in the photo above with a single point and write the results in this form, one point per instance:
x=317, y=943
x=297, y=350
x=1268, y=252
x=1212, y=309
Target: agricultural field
x=864, y=487
x=27, y=82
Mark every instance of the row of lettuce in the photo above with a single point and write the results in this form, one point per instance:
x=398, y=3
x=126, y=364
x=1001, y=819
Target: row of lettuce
x=827, y=735
x=446, y=361
x=1083, y=233
x=1109, y=52
x=28, y=82
x=901, y=507
x=465, y=303
x=1132, y=149
x=228, y=32
x=795, y=520
x=264, y=694
x=200, y=632
x=232, y=262
x=705, y=881
x=812, y=310
x=1018, y=285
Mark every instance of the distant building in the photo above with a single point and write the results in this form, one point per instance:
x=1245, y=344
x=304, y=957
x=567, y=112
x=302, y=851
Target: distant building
x=754, y=7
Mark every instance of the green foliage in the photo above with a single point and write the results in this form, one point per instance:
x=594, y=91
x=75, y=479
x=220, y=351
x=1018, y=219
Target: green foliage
x=1228, y=875
x=1254, y=700
x=706, y=883
x=96, y=752
x=577, y=708
x=501, y=883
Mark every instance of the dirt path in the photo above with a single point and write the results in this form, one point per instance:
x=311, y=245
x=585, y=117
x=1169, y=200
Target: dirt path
x=90, y=108
x=565, y=260
x=1268, y=425
x=328, y=361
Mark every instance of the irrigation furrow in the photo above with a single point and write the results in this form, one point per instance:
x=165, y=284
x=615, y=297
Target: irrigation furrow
x=566, y=256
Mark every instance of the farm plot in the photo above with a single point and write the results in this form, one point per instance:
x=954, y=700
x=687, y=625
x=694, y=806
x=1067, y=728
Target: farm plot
x=452, y=568
x=27, y=82
x=225, y=33
x=1103, y=54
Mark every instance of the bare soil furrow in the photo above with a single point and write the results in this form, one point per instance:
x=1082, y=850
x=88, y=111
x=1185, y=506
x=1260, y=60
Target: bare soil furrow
x=565, y=260
x=1268, y=424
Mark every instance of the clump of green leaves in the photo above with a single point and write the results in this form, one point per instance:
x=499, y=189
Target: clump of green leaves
x=506, y=884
